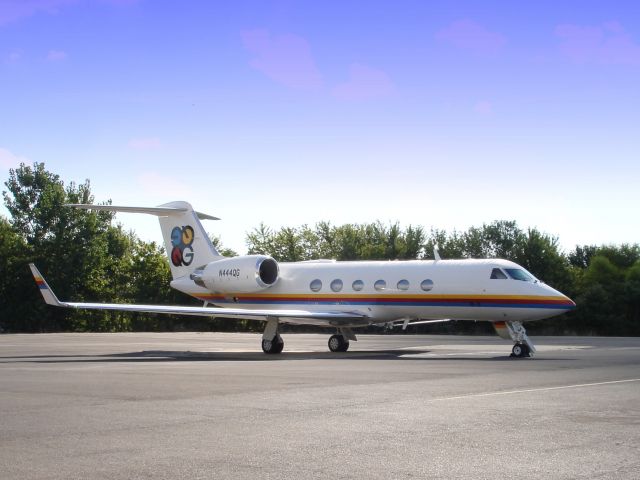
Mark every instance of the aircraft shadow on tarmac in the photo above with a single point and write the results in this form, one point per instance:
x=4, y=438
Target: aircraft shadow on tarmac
x=188, y=356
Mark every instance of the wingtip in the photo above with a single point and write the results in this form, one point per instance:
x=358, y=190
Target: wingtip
x=35, y=272
x=48, y=295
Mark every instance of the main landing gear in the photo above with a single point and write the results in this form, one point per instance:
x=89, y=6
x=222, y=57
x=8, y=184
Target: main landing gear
x=273, y=346
x=273, y=343
x=338, y=343
x=271, y=340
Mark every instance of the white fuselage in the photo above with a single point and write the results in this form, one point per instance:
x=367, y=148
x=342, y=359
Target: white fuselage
x=392, y=290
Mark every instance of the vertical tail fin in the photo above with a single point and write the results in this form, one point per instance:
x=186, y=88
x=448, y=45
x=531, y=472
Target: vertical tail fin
x=185, y=240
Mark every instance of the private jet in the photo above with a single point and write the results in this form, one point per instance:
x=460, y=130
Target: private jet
x=341, y=295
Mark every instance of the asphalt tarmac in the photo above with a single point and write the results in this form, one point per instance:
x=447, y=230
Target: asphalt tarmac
x=212, y=405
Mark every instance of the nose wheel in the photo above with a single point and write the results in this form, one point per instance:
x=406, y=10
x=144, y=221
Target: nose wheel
x=515, y=331
x=520, y=350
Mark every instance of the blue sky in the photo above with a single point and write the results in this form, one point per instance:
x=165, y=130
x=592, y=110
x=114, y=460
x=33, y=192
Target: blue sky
x=443, y=114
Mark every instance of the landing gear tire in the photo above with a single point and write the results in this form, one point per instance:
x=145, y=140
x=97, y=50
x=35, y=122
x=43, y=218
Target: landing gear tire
x=273, y=346
x=337, y=343
x=520, y=350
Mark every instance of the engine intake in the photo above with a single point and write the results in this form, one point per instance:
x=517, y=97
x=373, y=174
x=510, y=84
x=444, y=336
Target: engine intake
x=245, y=274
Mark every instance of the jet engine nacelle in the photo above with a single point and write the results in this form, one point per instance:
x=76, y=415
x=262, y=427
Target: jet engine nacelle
x=245, y=274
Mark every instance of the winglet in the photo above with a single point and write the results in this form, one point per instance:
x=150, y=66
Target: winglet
x=45, y=290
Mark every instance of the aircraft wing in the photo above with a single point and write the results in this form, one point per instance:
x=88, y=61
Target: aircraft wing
x=285, y=316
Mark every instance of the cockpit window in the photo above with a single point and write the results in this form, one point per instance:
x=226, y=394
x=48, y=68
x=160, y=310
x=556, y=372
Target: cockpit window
x=497, y=274
x=518, y=274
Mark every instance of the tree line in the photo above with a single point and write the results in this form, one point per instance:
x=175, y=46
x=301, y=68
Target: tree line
x=86, y=256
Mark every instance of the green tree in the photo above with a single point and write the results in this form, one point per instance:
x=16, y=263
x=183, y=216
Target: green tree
x=87, y=258
x=79, y=251
x=261, y=241
x=632, y=297
x=222, y=250
x=372, y=241
x=17, y=293
x=600, y=305
x=540, y=254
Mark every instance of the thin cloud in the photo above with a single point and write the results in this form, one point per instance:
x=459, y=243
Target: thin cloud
x=483, y=107
x=469, y=35
x=605, y=44
x=155, y=184
x=14, y=56
x=145, y=143
x=285, y=59
x=56, y=56
x=14, y=10
x=364, y=83
x=10, y=160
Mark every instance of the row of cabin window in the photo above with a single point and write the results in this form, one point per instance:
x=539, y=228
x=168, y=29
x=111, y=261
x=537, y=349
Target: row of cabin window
x=357, y=285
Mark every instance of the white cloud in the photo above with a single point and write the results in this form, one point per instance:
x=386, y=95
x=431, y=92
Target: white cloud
x=286, y=59
x=483, y=107
x=15, y=10
x=364, y=83
x=56, y=56
x=163, y=187
x=10, y=160
x=15, y=56
x=603, y=44
x=145, y=143
x=469, y=35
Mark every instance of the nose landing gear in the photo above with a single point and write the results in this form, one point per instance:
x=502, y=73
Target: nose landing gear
x=520, y=350
x=523, y=346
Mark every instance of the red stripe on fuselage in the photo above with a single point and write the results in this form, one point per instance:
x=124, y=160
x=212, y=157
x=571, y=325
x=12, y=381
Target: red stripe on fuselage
x=387, y=299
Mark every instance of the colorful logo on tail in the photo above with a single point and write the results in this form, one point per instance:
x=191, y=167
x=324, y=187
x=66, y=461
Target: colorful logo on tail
x=182, y=252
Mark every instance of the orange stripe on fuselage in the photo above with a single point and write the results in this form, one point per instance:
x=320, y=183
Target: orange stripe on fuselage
x=373, y=298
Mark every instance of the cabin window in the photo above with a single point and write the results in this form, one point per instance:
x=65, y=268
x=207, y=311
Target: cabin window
x=519, y=274
x=357, y=285
x=426, y=285
x=403, y=285
x=497, y=274
x=316, y=285
x=336, y=285
x=380, y=285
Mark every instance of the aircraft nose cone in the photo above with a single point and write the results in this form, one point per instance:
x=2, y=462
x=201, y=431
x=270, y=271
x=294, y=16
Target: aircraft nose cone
x=564, y=301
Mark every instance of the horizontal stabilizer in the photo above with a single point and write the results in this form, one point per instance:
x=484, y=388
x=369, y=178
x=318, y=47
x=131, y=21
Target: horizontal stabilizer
x=186, y=242
x=157, y=211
